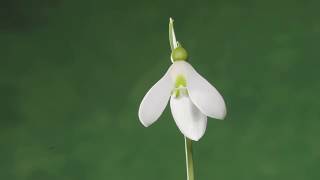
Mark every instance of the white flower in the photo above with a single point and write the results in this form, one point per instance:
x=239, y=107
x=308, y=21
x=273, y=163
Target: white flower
x=192, y=99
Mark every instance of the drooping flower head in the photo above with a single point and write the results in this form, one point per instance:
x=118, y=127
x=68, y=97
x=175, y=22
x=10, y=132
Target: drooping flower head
x=192, y=97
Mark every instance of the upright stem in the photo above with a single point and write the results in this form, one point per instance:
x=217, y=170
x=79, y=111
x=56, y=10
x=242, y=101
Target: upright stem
x=189, y=160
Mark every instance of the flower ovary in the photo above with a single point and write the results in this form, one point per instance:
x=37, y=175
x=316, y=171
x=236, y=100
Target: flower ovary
x=179, y=54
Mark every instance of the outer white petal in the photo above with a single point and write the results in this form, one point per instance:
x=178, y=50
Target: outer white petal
x=156, y=100
x=191, y=122
x=203, y=94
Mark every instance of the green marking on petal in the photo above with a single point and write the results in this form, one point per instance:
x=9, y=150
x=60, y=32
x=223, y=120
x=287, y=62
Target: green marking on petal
x=177, y=93
x=180, y=81
x=180, y=86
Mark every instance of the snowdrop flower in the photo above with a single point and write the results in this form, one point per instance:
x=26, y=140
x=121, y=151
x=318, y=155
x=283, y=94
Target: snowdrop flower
x=192, y=97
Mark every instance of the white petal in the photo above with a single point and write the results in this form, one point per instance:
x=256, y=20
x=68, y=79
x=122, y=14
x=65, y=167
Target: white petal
x=204, y=95
x=191, y=122
x=155, y=101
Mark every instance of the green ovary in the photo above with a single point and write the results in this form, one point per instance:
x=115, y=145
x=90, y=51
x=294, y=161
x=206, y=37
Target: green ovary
x=179, y=54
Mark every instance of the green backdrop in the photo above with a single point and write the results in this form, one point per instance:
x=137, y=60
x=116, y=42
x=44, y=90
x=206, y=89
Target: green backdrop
x=73, y=73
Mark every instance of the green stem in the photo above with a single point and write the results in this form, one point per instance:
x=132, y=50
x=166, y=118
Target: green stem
x=189, y=159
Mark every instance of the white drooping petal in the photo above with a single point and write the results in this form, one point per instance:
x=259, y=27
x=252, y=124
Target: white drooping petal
x=191, y=122
x=203, y=94
x=155, y=101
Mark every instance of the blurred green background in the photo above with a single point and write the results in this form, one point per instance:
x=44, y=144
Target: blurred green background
x=73, y=73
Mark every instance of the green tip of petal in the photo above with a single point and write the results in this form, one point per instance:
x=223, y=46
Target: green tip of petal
x=179, y=54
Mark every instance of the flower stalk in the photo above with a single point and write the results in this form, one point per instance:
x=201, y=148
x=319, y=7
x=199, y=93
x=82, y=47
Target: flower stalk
x=189, y=158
